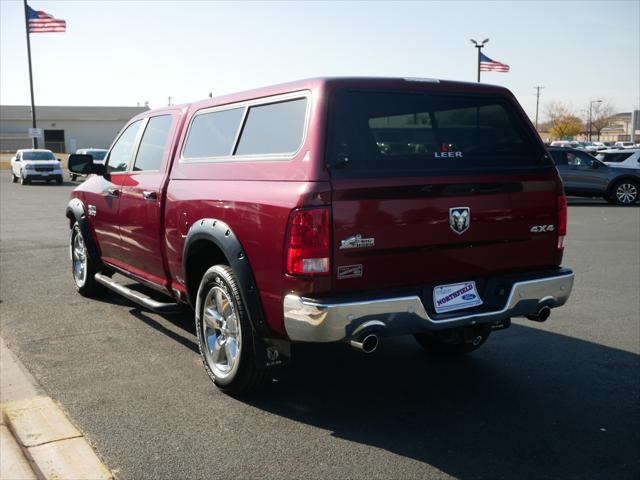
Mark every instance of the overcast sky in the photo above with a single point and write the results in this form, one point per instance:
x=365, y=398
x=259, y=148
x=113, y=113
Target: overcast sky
x=122, y=53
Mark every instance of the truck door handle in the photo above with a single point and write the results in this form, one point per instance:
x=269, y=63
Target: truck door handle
x=113, y=192
x=149, y=195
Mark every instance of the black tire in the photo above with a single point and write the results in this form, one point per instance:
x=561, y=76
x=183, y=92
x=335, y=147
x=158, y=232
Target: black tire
x=87, y=287
x=452, y=342
x=244, y=377
x=14, y=179
x=625, y=192
x=73, y=177
x=59, y=181
x=24, y=180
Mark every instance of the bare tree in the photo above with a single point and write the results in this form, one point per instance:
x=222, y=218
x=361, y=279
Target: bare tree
x=601, y=114
x=562, y=120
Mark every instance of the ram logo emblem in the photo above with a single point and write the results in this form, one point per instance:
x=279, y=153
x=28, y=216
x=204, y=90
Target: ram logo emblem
x=459, y=219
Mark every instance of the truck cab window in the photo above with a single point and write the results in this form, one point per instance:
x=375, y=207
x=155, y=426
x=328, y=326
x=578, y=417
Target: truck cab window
x=120, y=154
x=153, y=143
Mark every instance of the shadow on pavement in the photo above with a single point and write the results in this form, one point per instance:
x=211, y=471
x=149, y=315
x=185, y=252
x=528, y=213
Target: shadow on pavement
x=532, y=405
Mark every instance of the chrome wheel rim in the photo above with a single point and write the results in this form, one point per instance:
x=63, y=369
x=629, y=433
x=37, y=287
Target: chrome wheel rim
x=79, y=259
x=626, y=193
x=221, y=333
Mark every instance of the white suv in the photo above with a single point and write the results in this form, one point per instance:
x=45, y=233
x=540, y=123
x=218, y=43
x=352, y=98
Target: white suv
x=624, y=145
x=627, y=158
x=31, y=164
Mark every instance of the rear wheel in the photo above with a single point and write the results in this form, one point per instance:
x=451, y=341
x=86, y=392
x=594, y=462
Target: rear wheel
x=454, y=342
x=625, y=192
x=225, y=336
x=82, y=266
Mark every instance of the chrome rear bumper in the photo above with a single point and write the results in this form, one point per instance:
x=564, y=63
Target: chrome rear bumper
x=308, y=320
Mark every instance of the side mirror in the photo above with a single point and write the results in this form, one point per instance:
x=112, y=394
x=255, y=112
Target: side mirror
x=59, y=159
x=17, y=159
x=82, y=164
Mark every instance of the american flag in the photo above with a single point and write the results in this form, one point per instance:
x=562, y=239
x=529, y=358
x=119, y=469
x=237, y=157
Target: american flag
x=488, y=65
x=42, y=22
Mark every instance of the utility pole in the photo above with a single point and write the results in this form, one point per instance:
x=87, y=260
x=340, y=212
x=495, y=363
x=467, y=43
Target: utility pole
x=479, y=47
x=590, y=109
x=538, y=88
x=34, y=141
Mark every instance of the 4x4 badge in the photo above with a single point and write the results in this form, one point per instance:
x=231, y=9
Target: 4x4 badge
x=459, y=219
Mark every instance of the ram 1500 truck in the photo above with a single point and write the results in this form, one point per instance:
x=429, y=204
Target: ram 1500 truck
x=327, y=210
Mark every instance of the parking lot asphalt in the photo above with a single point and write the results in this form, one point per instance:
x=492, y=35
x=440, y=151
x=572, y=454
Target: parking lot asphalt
x=552, y=400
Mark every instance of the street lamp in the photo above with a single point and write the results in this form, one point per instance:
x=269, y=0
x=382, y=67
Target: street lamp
x=479, y=47
x=590, y=108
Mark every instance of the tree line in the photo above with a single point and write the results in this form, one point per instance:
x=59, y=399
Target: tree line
x=564, y=121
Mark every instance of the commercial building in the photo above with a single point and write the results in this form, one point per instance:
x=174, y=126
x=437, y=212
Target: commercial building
x=65, y=128
x=624, y=127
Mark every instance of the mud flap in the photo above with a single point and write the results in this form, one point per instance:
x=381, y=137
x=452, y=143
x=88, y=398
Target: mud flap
x=271, y=352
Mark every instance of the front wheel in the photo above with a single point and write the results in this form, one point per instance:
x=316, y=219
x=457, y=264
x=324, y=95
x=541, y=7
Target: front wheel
x=73, y=177
x=225, y=337
x=24, y=180
x=59, y=180
x=82, y=266
x=454, y=342
x=625, y=192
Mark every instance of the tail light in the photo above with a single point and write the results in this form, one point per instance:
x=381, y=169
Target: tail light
x=562, y=220
x=308, y=242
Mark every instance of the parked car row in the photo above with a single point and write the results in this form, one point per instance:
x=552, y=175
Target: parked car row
x=29, y=165
x=592, y=147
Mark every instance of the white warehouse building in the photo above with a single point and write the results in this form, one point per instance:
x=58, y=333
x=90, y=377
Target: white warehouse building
x=65, y=129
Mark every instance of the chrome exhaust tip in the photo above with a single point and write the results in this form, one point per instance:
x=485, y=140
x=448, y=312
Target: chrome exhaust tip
x=367, y=344
x=541, y=315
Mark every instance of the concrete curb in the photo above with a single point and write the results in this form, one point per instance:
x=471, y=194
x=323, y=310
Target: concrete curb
x=55, y=448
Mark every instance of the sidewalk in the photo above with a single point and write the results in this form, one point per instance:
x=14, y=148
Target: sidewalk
x=38, y=441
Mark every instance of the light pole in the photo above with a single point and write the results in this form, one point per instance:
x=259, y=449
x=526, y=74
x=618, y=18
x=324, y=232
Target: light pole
x=537, y=103
x=479, y=47
x=590, y=108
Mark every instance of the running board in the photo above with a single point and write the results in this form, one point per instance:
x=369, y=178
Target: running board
x=137, y=297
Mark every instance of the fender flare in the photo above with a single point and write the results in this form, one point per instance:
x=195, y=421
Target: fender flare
x=76, y=211
x=220, y=234
x=269, y=351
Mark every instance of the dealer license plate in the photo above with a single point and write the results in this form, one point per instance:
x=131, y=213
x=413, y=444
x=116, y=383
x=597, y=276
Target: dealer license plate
x=456, y=296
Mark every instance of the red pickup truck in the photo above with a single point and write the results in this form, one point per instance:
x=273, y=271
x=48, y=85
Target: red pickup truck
x=327, y=210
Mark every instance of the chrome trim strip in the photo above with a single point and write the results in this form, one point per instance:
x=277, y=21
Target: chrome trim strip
x=307, y=320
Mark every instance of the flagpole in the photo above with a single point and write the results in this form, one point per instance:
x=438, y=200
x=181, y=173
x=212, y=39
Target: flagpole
x=479, y=46
x=34, y=140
